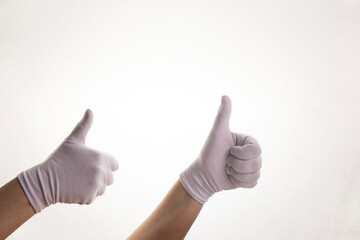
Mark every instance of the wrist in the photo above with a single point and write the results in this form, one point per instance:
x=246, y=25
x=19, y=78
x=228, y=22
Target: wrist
x=34, y=184
x=14, y=208
x=194, y=182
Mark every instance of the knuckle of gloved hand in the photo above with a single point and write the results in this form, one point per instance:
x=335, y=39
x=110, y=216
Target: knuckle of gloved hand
x=255, y=146
x=248, y=185
x=101, y=191
x=253, y=176
x=250, y=140
x=90, y=200
x=97, y=176
x=234, y=181
x=247, y=177
x=110, y=179
x=256, y=175
x=253, y=165
x=97, y=158
x=93, y=193
x=250, y=148
x=86, y=197
x=228, y=169
x=253, y=184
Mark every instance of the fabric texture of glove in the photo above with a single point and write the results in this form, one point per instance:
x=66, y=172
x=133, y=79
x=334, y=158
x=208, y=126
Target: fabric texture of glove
x=73, y=173
x=227, y=160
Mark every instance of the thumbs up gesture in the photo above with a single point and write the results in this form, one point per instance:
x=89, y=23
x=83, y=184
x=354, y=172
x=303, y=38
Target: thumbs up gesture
x=73, y=173
x=227, y=160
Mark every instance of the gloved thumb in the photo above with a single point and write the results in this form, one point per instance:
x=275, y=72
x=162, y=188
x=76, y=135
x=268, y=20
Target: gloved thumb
x=82, y=128
x=223, y=117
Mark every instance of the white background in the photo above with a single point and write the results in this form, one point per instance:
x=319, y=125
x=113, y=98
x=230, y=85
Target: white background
x=153, y=73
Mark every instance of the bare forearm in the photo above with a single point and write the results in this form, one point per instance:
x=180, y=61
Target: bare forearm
x=172, y=219
x=15, y=208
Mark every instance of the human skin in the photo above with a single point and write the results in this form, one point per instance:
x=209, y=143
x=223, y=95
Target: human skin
x=73, y=174
x=172, y=219
x=15, y=208
x=227, y=161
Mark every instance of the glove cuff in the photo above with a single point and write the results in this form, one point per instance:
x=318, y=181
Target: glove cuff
x=32, y=182
x=195, y=184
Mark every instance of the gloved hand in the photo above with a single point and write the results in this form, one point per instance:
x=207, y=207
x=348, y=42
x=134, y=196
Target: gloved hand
x=226, y=161
x=73, y=173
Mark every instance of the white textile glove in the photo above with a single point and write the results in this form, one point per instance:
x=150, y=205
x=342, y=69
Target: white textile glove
x=227, y=160
x=73, y=173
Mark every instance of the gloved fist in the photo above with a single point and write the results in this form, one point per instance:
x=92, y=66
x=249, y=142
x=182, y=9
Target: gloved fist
x=227, y=160
x=73, y=173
